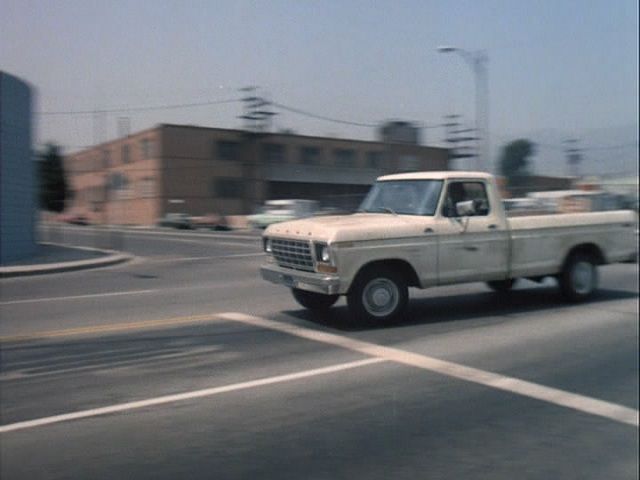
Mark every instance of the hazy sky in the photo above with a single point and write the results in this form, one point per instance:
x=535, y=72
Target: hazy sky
x=556, y=67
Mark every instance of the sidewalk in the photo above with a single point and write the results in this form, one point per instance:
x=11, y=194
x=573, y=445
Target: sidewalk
x=56, y=258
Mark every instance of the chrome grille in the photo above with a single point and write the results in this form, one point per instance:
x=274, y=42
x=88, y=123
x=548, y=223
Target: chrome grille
x=292, y=254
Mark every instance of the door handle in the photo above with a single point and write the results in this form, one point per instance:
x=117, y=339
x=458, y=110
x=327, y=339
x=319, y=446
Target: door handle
x=493, y=226
x=428, y=230
x=471, y=248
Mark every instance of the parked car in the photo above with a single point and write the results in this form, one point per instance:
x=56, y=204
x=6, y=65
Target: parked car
x=275, y=211
x=212, y=221
x=74, y=218
x=176, y=220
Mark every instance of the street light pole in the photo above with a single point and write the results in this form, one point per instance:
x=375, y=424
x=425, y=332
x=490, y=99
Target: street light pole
x=478, y=60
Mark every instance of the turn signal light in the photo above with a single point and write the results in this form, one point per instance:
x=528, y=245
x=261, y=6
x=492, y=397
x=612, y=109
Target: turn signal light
x=322, y=268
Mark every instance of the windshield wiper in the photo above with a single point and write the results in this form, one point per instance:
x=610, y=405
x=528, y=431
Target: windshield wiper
x=377, y=209
x=388, y=209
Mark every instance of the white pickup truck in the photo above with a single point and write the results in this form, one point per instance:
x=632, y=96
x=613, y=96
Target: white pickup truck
x=437, y=228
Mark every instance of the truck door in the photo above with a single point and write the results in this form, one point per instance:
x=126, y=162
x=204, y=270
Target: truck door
x=472, y=247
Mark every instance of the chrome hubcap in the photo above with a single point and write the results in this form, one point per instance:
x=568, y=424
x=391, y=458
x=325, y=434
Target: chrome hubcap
x=583, y=277
x=380, y=297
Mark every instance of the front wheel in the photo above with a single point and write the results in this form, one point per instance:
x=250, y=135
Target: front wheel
x=316, y=302
x=579, y=278
x=379, y=295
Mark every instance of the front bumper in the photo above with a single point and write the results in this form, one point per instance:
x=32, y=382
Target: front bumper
x=312, y=282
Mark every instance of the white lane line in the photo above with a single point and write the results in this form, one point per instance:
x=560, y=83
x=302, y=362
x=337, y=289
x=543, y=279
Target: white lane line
x=207, y=392
x=129, y=293
x=77, y=297
x=555, y=396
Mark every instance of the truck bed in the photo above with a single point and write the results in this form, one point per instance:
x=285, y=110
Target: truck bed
x=539, y=243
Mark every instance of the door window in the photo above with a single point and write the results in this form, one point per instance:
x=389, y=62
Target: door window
x=463, y=192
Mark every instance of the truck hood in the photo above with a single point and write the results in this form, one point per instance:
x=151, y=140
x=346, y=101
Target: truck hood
x=344, y=228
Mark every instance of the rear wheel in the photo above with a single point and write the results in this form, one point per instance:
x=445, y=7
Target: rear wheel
x=501, y=286
x=379, y=295
x=314, y=301
x=579, y=278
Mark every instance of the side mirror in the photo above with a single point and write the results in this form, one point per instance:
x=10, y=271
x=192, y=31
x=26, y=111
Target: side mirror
x=465, y=209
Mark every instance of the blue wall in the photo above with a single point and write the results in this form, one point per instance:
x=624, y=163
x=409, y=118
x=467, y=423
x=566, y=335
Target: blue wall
x=17, y=171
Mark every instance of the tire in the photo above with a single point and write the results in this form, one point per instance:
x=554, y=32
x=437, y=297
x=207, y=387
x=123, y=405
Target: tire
x=501, y=286
x=579, y=278
x=378, y=296
x=316, y=302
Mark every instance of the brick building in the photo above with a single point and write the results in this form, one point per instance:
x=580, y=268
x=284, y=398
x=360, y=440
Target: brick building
x=197, y=170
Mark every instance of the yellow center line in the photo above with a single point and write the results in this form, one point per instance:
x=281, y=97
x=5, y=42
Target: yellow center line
x=116, y=327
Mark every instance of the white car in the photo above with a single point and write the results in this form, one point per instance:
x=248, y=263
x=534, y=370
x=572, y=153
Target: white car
x=275, y=211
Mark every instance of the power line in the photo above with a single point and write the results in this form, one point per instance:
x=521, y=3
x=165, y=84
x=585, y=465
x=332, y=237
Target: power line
x=151, y=108
x=594, y=147
x=141, y=109
x=288, y=108
x=321, y=117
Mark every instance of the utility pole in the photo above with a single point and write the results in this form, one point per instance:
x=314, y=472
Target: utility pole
x=457, y=138
x=257, y=114
x=574, y=156
x=257, y=118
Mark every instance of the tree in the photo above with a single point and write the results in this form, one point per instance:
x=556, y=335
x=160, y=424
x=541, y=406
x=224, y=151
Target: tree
x=54, y=190
x=514, y=162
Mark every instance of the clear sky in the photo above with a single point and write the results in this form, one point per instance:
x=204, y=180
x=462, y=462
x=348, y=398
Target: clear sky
x=557, y=68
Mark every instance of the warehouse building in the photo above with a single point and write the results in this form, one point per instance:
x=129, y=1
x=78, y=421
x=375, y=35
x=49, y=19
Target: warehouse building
x=198, y=170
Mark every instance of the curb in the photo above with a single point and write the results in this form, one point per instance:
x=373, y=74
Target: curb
x=113, y=258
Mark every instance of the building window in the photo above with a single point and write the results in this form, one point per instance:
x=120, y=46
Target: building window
x=228, y=150
x=374, y=159
x=273, y=153
x=309, y=155
x=147, y=187
x=125, y=154
x=228, y=188
x=409, y=163
x=146, y=146
x=344, y=158
x=119, y=186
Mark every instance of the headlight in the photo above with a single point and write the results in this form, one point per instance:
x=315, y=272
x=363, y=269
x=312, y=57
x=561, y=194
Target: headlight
x=266, y=244
x=323, y=254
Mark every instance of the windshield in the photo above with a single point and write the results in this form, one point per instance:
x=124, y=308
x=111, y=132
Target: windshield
x=403, y=197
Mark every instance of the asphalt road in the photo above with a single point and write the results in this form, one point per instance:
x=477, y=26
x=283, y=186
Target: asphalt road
x=184, y=364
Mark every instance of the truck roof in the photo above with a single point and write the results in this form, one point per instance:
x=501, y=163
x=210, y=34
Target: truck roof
x=443, y=175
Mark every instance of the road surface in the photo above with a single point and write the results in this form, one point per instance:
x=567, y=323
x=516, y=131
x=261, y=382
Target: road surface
x=184, y=364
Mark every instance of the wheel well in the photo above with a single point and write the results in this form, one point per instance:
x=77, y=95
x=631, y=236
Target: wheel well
x=590, y=249
x=397, y=265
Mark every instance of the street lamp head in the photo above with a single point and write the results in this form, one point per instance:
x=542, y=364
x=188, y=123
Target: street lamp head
x=446, y=49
